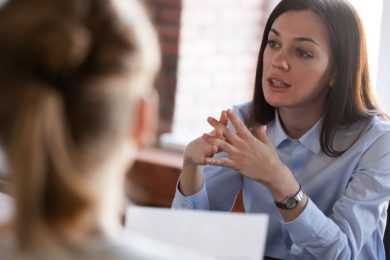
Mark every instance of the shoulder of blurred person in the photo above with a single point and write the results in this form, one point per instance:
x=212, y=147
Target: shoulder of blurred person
x=72, y=115
x=126, y=247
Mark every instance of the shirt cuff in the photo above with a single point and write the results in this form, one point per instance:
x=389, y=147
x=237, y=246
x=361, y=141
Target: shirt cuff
x=311, y=227
x=198, y=200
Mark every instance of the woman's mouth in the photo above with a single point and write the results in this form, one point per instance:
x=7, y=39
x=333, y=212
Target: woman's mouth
x=277, y=83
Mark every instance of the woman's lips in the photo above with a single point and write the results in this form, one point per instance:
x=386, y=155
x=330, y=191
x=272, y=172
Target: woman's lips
x=278, y=83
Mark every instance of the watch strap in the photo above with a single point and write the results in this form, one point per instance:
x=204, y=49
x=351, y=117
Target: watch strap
x=291, y=202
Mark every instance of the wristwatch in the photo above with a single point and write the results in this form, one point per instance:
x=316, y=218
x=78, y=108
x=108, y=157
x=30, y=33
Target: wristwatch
x=291, y=202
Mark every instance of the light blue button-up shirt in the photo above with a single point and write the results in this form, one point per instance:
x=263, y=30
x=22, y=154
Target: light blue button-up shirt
x=345, y=216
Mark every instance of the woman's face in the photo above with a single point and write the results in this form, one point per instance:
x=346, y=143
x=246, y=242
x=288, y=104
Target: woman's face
x=296, y=62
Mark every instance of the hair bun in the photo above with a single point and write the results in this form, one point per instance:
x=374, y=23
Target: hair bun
x=61, y=47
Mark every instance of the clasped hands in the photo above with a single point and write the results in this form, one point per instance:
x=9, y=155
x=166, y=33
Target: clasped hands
x=249, y=152
x=252, y=155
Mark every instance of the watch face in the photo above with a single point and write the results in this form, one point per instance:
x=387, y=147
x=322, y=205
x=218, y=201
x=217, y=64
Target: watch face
x=291, y=203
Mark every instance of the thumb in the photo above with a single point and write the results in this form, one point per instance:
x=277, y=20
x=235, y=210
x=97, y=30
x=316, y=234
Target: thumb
x=261, y=134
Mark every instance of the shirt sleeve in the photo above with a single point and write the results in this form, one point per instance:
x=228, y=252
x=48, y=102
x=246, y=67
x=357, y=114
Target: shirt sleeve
x=359, y=212
x=219, y=191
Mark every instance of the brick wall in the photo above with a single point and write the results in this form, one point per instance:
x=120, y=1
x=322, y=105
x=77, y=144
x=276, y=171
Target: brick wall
x=166, y=16
x=219, y=44
x=209, y=54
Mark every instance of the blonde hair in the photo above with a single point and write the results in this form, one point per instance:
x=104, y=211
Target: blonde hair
x=69, y=73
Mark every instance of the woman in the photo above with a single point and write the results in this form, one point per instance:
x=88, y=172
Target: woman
x=312, y=149
x=76, y=104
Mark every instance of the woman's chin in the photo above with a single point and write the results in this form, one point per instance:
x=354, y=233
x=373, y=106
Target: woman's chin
x=275, y=103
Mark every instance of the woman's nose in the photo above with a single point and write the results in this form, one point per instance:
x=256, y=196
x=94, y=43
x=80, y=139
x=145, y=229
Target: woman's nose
x=280, y=61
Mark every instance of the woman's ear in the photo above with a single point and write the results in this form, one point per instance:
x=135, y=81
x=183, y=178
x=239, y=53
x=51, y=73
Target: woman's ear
x=144, y=128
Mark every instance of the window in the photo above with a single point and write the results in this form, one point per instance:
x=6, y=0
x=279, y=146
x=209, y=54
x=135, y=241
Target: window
x=371, y=14
x=383, y=76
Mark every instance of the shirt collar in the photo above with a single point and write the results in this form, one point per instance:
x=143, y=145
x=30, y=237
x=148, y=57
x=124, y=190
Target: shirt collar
x=310, y=140
x=277, y=133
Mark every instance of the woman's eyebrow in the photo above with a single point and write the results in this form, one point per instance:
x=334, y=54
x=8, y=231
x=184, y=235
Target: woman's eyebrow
x=299, y=39
x=275, y=31
x=306, y=39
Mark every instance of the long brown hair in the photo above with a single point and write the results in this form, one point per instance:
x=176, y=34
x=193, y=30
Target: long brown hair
x=351, y=97
x=69, y=73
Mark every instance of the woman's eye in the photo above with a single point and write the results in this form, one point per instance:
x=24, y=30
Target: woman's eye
x=304, y=54
x=273, y=44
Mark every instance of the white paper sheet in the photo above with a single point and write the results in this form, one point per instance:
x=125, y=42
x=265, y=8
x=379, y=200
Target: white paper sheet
x=225, y=236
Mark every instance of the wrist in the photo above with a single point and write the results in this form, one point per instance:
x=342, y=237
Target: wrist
x=293, y=209
x=191, y=178
x=291, y=202
x=188, y=163
x=284, y=187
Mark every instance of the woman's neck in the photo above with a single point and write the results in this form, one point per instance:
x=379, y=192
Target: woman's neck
x=112, y=202
x=107, y=184
x=110, y=186
x=102, y=220
x=296, y=122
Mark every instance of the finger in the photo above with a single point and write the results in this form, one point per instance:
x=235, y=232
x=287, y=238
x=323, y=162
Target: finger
x=261, y=134
x=213, y=149
x=220, y=162
x=223, y=131
x=218, y=127
x=221, y=144
x=240, y=127
x=223, y=118
x=213, y=133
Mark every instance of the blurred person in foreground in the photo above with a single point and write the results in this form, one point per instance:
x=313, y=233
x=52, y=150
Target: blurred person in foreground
x=76, y=103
